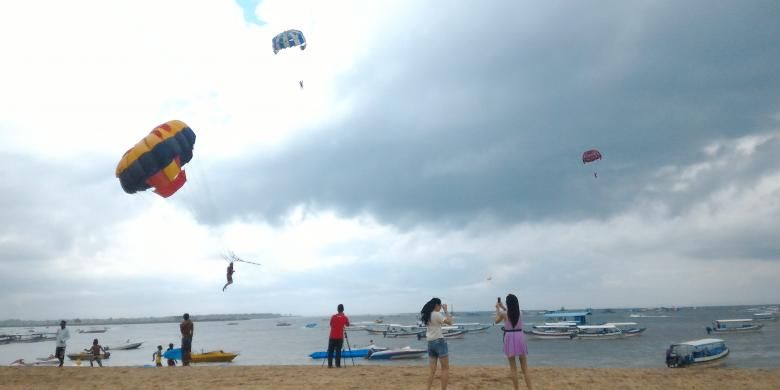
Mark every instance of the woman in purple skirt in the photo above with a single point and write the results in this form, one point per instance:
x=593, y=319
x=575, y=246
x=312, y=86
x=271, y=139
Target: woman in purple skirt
x=514, y=339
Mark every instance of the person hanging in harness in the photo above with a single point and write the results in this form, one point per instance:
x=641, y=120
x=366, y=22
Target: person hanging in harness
x=230, y=272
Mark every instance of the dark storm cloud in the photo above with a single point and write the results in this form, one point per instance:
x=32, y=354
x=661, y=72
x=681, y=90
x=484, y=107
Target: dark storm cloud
x=487, y=109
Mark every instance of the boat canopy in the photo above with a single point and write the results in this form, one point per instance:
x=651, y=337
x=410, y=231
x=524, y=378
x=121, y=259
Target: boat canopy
x=700, y=342
x=580, y=317
x=737, y=320
x=622, y=323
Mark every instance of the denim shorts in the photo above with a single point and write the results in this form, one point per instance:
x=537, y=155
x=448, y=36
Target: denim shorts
x=437, y=348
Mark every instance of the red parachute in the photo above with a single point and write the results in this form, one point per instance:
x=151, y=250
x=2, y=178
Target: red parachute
x=590, y=156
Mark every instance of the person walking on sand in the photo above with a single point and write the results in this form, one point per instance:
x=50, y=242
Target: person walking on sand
x=230, y=272
x=432, y=318
x=95, y=350
x=171, y=362
x=63, y=335
x=157, y=356
x=514, y=339
x=187, y=331
x=336, y=338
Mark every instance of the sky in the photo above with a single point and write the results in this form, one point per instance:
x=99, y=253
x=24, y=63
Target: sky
x=433, y=151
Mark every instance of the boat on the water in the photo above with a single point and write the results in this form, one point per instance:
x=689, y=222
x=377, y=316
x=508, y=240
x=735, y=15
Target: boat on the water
x=741, y=325
x=598, y=332
x=552, y=330
x=628, y=328
x=213, y=357
x=93, y=330
x=764, y=316
x=283, y=323
x=124, y=346
x=703, y=352
x=400, y=353
x=87, y=355
x=472, y=327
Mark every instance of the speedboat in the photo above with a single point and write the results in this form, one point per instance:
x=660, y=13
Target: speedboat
x=764, y=316
x=553, y=330
x=598, y=332
x=401, y=353
x=213, y=357
x=93, y=330
x=628, y=328
x=703, y=352
x=734, y=326
x=472, y=327
x=124, y=346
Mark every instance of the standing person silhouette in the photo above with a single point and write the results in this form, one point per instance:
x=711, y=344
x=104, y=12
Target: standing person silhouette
x=432, y=318
x=514, y=339
x=336, y=338
x=63, y=335
x=187, y=331
x=230, y=273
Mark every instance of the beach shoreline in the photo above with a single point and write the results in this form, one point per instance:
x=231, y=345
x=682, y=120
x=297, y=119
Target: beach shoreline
x=381, y=377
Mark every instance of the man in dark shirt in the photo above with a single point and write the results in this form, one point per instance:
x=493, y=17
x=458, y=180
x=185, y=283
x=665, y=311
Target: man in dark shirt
x=336, y=339
x=187, y=331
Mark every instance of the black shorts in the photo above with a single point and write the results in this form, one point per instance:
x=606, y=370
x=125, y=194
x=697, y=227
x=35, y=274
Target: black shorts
x=59, y=352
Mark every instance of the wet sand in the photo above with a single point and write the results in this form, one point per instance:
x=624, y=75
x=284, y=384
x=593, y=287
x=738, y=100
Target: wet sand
x=379, y=377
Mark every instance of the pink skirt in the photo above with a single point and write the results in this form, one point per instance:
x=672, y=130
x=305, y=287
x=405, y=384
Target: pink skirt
x=514, y=344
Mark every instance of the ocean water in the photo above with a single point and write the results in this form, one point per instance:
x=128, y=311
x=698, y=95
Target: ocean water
x=261, y=342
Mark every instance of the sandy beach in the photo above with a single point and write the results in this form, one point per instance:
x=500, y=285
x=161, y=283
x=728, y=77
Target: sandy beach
x=379, y=377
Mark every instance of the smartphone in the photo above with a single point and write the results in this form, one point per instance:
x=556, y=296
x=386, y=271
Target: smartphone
x=499, y=299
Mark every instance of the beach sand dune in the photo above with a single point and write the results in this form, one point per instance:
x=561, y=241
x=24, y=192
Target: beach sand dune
x=378, y=377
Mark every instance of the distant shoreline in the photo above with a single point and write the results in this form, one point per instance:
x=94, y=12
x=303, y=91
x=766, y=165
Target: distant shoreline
x=381, y=376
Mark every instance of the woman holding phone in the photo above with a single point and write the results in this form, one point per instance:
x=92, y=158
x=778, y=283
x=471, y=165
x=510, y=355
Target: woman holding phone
x=514, y=339
x=432, y=318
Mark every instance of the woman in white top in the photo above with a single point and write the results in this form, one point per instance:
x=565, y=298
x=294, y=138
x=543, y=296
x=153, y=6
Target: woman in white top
x=432, y=318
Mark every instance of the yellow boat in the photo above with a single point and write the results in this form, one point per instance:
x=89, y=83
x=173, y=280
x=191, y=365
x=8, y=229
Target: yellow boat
x=213, y=357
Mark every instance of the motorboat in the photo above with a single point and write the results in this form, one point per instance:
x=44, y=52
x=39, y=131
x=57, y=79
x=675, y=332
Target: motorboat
x=628, y=328
x=125, y=346
x=703, y=352
x=400, y=353
x=283, y=323
x=598, y=332
x=741, y=325
x=764, y=316
x=552, y=330
x=93, y=330
x=213, y=357
x=472, y=327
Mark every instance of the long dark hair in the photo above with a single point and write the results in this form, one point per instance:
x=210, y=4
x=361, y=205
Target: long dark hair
x=512, y=309
x=427, y=309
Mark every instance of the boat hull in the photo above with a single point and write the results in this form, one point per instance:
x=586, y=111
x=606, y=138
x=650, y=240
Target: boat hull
x=397, y=354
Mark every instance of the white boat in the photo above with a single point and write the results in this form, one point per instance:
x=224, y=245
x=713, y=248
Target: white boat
x=742, y=325
x=125, y=346
x=629, y=329
x=703, y=352
x=401, y=353
x=553, y=330
x=472, y=327
x=598, y=332
x=764, y=316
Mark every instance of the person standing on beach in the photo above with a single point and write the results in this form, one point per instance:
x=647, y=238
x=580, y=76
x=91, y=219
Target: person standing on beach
x=157, y=356
x=95, y=350
x=187, y=331
x=338, y=322
x=432, y=318
x=63, y=335
x=514, y=339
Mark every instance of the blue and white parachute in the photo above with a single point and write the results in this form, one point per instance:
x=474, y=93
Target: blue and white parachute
x=288, y=39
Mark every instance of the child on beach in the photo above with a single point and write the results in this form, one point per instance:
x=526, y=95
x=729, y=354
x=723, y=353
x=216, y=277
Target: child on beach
x=171, y=362
x=514, y=339
x=95, y=350
x=157, y=356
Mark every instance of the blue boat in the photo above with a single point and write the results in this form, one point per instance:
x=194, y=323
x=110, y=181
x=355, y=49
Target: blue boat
x=344, y=354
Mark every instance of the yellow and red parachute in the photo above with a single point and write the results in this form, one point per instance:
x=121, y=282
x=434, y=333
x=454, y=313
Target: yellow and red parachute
x=157, y=160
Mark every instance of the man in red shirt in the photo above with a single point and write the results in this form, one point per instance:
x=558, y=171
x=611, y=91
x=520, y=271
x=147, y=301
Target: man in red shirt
x=336, y=339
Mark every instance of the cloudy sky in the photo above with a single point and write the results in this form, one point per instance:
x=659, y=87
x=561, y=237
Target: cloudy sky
x=433, y=152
